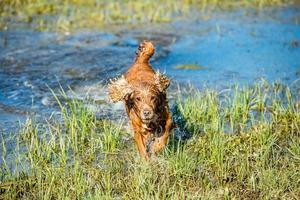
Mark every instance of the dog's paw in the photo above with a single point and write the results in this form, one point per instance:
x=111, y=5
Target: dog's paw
x=157, y=144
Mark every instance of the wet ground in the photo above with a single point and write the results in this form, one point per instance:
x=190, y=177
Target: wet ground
x=218, y=51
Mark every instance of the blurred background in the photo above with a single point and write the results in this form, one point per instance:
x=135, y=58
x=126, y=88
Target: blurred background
x=78, y=45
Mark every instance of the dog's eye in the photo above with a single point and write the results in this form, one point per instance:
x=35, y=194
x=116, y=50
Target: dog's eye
x=138, y=99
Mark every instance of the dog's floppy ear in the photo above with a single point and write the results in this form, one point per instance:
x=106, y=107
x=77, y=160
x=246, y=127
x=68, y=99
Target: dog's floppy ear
x=161, y=81
x=118, y=89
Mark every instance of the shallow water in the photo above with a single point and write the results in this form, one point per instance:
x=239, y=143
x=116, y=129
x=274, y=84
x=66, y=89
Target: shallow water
x=238, y=49
x=230, y=47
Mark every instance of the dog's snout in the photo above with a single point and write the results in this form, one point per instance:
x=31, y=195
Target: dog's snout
x=147, y=113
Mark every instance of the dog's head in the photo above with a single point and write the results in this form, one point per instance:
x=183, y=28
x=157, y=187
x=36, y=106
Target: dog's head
x=144, y=98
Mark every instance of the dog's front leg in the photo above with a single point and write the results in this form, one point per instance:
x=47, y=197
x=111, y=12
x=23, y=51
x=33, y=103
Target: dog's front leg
x=140, y=141
x=161, y=141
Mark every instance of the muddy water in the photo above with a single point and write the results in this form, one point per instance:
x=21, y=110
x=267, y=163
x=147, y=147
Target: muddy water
x=226, y=48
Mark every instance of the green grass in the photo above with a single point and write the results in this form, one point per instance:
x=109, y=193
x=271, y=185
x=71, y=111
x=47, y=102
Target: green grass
x=244, y=144
x=190, y=66
x=66, y=15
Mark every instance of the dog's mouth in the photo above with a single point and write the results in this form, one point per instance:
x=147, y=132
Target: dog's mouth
x=147, y=120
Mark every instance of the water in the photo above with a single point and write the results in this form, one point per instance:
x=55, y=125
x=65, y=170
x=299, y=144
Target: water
x=231, y=47
x=238, y=49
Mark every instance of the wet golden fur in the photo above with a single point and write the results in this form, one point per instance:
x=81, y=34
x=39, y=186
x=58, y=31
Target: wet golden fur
x=144, y=92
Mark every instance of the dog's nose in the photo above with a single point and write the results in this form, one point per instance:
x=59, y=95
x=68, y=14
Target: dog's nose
x=147, y=113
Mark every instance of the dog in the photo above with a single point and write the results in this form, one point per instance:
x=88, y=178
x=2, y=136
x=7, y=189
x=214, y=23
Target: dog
x=144, y=94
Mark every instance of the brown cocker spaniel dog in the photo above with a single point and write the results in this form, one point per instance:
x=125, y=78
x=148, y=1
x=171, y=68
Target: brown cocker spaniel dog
x=144, y=93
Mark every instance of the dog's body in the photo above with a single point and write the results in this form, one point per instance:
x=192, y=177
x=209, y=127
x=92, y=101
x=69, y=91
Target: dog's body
x=144, y=93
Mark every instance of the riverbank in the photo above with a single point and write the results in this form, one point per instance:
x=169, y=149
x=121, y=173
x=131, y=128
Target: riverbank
x=64, y=16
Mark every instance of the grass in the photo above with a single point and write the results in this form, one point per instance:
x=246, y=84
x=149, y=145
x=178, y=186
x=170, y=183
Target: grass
x=243, y=144
x=68, y=15
x=190, y=66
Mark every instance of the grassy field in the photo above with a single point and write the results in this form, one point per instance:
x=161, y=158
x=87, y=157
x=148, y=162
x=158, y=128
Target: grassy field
x=243, y=143
x=66, y=15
